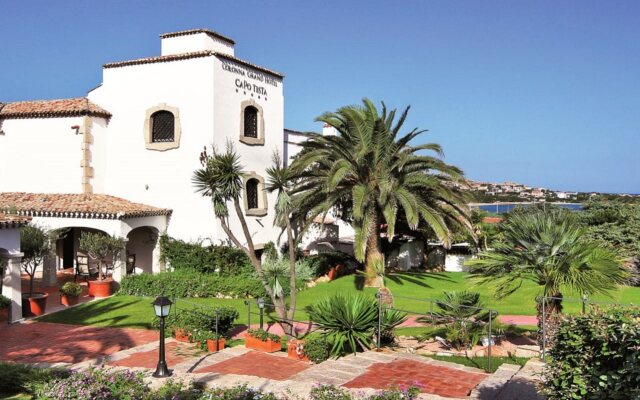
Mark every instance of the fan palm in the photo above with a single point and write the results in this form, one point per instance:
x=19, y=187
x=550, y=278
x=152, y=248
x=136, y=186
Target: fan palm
x=547, y=248
x=374, y=169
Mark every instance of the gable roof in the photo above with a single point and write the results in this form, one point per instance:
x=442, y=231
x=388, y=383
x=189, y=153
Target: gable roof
x=195, y=31
x=52, y=108
x=13, y=221
x=72, y=205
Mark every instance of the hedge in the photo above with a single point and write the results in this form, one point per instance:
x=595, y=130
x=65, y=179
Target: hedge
x=189, y=283
x=596, y=356
x=225, y=260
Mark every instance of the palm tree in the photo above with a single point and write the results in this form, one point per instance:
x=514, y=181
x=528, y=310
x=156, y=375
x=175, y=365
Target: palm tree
x=221, y=179
x=279, y=181
x=375, y=171
x=547, y=248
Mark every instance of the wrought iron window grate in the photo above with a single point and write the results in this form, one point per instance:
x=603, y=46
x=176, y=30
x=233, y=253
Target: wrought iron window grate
x=251, y=122
x=252, y=194
x=162, y=126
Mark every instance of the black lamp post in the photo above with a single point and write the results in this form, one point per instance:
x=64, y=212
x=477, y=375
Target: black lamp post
x=261, y=307
x=162, y=308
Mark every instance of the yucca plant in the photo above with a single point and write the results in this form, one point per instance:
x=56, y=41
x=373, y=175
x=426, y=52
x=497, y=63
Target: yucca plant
x=389, y=321
x=348, y=322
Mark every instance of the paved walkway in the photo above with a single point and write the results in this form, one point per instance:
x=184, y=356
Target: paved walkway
x=43, y=342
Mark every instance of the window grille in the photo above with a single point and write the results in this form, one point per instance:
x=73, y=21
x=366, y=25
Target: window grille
x=251, y=122
x=162, y=126
x=252, y=194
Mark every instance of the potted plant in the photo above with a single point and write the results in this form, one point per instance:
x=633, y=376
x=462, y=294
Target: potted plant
x=5, y=304
x=209, y=341
x=295, y=350
x=35, y=244
x=101, y=248
x=259, y=339
x=70, y=293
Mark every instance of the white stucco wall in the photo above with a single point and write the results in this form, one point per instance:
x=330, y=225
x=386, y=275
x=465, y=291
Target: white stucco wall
x=193, y=43
x=41, y=155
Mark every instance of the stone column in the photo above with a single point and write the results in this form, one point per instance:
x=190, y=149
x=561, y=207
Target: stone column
x=120, y=265
x=49, y=271
x=156, y=265
x=12, y=287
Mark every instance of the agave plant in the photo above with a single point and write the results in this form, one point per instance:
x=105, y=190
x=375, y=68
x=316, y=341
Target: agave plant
x=348, y=322
x=389, y=320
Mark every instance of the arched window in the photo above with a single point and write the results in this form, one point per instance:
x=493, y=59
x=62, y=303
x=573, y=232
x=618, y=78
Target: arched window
x=252, y=194
x=162, y=126
x=251, y=122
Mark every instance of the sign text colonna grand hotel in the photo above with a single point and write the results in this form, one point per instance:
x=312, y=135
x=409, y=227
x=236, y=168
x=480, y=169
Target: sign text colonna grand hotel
x=246, y=85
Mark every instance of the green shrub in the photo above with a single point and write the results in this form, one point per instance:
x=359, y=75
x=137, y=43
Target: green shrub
x=190, y=283
x=323, y=262
x=71, y=289
x=95, y=384
x=4, y=301
x=263, y=335
x=347, y=321
x=595, y=356
x=242, y=392
x=224, y=260
x=331, y=392
x=316, y=348
x=200, y=319
x=23, y=378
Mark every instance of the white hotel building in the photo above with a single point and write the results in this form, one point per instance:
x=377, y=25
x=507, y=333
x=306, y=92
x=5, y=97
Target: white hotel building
x=121, y=160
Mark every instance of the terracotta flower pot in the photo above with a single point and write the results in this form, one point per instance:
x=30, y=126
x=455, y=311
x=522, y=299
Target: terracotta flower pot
x=211, y=345
x=100, y=288
x=268, y=346
x=35, y=305
x=67, y=300
x=295, y=350
x=182, y=335
x=332, y=273
x=4, y=315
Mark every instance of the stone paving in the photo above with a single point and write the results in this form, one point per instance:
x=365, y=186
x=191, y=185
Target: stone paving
x=44, y=342
x=84, y=346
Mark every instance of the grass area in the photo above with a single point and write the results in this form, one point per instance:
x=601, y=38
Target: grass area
x=135, y=312
x=482, y=362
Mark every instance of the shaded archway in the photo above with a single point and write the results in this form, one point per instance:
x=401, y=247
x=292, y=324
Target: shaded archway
x=143, y=251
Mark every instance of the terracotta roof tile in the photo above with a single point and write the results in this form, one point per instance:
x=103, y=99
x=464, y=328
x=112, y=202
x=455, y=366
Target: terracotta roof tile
x=195, y=31
x=187, y=56
x=13, y=221
x=52, y=108
x=157, y=59
x=101, y=206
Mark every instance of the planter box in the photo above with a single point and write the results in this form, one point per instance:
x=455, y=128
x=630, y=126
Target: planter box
x=268, y=346
x=35, y=305
x=211, y=345
x=182, y=336
x=295, y=350
x=4, y=315
x=100, y=288
x=67, y=300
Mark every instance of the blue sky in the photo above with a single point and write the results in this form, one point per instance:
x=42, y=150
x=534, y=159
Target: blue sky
x=546, y=93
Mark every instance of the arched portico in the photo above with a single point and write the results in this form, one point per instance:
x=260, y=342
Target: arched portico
x=143, y=250
x=75, y=213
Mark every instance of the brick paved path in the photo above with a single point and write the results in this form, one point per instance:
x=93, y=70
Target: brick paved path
x=438, y=380
x=52, y=343
x=175, y=353
x=259, y=364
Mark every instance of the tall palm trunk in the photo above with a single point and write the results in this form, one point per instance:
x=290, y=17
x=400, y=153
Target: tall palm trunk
x=374, y=257
x=292, y=275
x=548, y=316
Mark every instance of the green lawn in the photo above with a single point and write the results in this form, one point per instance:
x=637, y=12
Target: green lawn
x=129, y=311
x=482, y=362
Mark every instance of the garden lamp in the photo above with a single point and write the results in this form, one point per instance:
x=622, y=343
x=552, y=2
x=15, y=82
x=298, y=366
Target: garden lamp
x=162, y=308
x=261, y=307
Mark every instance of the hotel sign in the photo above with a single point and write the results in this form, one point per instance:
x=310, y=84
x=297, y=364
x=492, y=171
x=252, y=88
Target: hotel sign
x=248, y=79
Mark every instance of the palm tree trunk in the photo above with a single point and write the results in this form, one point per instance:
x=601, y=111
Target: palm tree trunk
x=292, y=269
x=373, y=278
x=279, y=304
x=548, y=317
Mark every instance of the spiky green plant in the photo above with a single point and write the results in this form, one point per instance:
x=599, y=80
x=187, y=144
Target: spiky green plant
x=347, y=321
x=381, y=176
